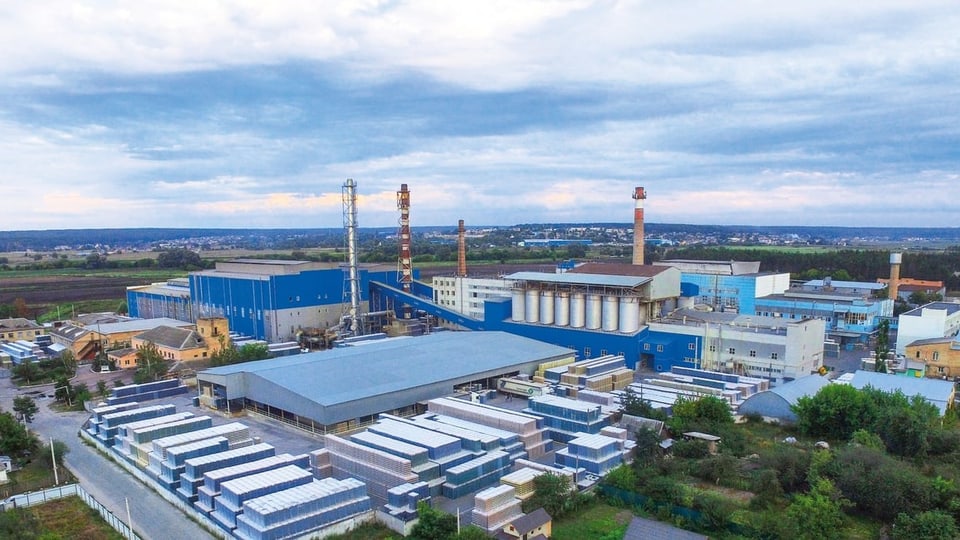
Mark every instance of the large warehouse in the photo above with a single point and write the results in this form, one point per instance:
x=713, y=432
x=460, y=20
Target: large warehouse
x=336, y=390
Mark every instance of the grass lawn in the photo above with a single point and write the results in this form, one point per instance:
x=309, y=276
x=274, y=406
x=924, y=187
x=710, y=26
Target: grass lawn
x=598, y=522
x=72, y=518
x=368, y=531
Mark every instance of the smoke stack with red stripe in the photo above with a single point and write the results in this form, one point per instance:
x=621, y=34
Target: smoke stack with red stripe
x=893, y=288
x=638, y=195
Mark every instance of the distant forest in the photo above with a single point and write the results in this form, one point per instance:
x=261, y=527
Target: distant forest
x=333, y=237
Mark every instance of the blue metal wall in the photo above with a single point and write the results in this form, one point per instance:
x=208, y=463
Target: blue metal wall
x=146, y=305
x=726, y=290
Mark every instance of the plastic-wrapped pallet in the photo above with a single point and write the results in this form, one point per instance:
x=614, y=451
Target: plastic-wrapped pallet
x=234, y=492
x=495, y=507
x=212, y=480
x=522, y=481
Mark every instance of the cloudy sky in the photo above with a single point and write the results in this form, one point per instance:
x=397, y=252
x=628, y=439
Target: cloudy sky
x=253, y=114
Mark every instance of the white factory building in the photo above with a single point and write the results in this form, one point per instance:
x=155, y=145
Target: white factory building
x=768, y=347
x=466, y=295
x=934, y=320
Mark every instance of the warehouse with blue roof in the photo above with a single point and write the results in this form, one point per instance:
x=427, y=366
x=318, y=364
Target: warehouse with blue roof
x=336, y=390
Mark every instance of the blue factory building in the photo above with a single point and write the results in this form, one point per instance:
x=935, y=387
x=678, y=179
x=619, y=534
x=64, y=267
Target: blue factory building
x=264, y=299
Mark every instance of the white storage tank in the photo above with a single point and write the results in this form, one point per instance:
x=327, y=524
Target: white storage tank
x=594, y=302
x=546, y=307
x=578, y=304
x=629, y=314
x=517, y=313
x=562, y=312
x=611, y=311
x=532, y=308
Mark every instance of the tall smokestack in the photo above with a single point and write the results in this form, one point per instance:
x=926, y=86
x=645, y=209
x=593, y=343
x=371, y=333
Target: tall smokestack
x=461, y=250
x=350, y=223
x=894, y=288
x=638, y=195
x=405, y=263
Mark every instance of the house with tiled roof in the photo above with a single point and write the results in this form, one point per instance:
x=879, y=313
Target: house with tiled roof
x=533, y=526
x=184, y=344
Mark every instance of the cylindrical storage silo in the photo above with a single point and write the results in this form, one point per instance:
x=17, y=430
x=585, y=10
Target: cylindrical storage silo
x=629, y=314
x=593, y=311
x=517, y=313
x=578, y=306
x=532, y=308
x=562, y=311
x=611, y=312
x=546, y=307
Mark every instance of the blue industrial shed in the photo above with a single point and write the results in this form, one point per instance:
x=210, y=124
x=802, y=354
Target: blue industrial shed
x=352, y=384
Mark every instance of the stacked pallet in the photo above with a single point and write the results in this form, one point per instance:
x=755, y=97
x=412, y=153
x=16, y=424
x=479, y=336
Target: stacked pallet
x=376, y=468
x=302, y=509
x=193, y=468
x=146, y=391
x=495, y=507
x=212, y=480
x=521, y=481
x=110, y=423
x=167, y=470
x=542, y=368
x=476, y=474
x=529, y=428
x=96, y=420
x=320, y=464
x=594, y=453
x=137, y=444
x=233, y=493
x=420, y=464
x=402, y=500
x=565, y=417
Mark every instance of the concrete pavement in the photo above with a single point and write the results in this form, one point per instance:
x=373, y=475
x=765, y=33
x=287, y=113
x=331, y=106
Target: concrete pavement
x=153, y=518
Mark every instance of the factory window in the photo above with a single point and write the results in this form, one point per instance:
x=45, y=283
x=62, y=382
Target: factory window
x=713, y=348
x=753, y=354
x=774, y=356
x=936, y=356
x=646, y=346
x=659, y=348
x=731, y=350
x=941, y=369
x=603, y=352
x=691, y=346
x=586, y=352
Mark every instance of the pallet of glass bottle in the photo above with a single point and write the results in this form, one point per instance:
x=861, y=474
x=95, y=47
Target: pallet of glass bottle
x=234, y=492
x=147, y=434
x=300, y=524
x=99, y=412
x=356, y=452
x=472, y=441
x=194, y=468
x=416, y=454
x=489, y=499
x=455, y=491
x=125, y=430
x=235, y=434
x=497, y=518
x=438, y=445
x=477, y=467
x=212, y=480
x=504, y=437
x=139, y=413
x=407, y=494
x=311, y=498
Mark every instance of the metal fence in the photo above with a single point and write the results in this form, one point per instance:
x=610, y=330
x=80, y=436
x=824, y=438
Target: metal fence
x=39, y=497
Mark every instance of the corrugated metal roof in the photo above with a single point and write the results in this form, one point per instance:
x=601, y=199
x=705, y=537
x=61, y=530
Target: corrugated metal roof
x=949, y=307
x=352, y=373
x=138, y=325
x=937, y=392
x=602, y=280
x=796, y=389
x=869, y=285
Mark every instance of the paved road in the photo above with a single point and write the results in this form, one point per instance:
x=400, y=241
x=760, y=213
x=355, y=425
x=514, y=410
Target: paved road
x=153, y=517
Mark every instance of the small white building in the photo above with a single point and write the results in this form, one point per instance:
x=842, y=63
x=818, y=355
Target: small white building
x=466, y=295
x=934, y=320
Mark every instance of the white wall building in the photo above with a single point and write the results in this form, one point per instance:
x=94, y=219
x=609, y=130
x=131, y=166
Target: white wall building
x=773, y=348
x=934, y=320
x=467, y=294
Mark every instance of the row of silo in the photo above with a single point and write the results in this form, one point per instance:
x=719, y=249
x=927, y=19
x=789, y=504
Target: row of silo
x=592, y=311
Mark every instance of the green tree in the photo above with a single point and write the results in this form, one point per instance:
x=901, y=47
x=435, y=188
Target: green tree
x=883, y=345
x=929, y=525
x=554, y=493
x=433, y=524
x=632, y=403
x=706, y=413
x=15, y=440
x=28, y=372
x=835, y=412
x=60, y=449
x=253, y=351
x=766, y=489
x=817, y=515
x=25, y=408
x=150, y=364
x=102, y=389
x=647, y=450
x=63, y=390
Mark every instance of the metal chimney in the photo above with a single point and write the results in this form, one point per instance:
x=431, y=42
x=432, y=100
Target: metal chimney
x=405, y=262
x=350, y=223
x=461, y=250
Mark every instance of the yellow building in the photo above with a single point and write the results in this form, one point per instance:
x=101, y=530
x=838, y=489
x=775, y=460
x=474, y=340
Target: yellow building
x=86, y=341
x=941, y=355
x=186, y=344
x=19, y=328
